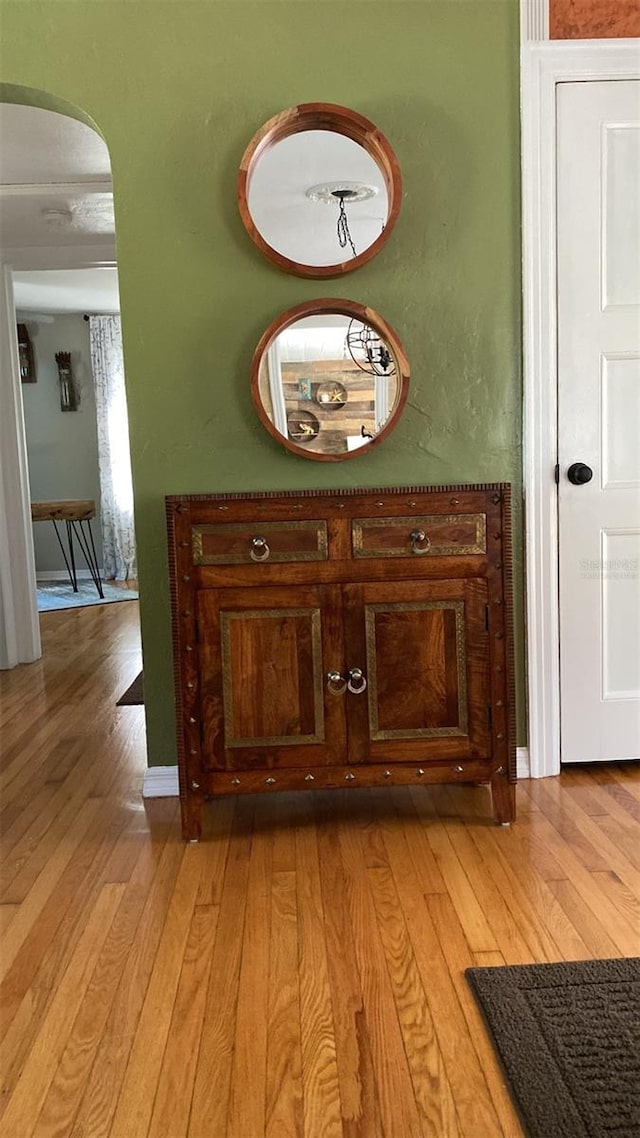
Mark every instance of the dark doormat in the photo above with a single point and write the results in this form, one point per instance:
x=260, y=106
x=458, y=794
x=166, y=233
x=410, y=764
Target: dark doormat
x=568, y=1036
x=134, y=693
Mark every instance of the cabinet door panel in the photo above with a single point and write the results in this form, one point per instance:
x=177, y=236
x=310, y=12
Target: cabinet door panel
x=424, y=647
x=427, y=696
x=263, y=657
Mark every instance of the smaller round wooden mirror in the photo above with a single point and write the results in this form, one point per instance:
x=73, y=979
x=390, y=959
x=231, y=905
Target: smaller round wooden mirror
x=329, y=379
x=319, y=190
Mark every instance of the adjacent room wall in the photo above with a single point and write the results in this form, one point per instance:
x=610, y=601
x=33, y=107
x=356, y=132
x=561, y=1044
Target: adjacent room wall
x=178, y=89
x=62, y=446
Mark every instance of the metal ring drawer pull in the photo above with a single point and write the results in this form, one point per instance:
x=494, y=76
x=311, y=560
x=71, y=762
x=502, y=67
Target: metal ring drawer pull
x=259, y=549
x=336, y=683
x=356, y=681
x=420, y=543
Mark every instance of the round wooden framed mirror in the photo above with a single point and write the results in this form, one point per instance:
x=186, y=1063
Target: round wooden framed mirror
x=329, y=379
x=319, y=190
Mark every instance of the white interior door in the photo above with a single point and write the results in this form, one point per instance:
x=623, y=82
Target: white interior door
x=598, y=164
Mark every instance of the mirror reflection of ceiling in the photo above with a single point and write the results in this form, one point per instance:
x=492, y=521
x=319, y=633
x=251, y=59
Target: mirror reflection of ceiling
x=56, y=200
x=304, y=230
x=321, y=392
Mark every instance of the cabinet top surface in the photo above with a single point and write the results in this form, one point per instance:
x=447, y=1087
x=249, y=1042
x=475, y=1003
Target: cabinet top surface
x=359, y=491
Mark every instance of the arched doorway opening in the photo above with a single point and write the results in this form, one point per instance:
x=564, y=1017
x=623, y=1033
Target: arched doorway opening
x=60, y=290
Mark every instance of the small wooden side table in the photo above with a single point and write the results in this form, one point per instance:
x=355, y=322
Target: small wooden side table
x=76, y=514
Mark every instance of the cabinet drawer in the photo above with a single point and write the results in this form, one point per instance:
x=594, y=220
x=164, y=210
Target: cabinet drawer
x=243, y=542
x=435, y=535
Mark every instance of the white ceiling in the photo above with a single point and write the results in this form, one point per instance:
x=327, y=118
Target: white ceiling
x=56, y=212
x=51, y=220
x=66, y=290
x=43, y=146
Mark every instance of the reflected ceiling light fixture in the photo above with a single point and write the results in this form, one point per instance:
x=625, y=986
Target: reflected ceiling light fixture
x=344, y=235
x=338, y=193
x=364, y=341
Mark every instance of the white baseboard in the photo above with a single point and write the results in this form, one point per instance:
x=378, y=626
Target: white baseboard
x=62, y=575
x=523, y=765
x=160, y=782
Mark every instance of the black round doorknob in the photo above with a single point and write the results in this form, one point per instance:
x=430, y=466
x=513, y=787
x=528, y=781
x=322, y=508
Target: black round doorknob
x=579, y=473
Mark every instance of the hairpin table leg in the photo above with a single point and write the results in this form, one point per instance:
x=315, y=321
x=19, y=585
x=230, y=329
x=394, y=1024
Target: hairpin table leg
x=68, y=558
x=86, y=543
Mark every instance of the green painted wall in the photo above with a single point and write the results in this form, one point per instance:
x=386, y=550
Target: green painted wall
x=177, y=89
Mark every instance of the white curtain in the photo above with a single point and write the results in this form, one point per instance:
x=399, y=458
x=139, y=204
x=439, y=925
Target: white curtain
x=116, y=490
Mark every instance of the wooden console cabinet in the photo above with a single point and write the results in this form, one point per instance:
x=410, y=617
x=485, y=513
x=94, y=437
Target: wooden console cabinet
x=342, y=638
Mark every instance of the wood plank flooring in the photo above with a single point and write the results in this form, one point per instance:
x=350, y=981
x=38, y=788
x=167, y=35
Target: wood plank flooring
x=300, y=971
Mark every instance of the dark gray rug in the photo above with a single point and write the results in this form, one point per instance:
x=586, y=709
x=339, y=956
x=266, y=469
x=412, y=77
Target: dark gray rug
x=568, y=1036
x=134, y=694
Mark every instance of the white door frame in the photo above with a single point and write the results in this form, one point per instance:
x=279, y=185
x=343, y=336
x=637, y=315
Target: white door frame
x=543, y=66
x=19, y=623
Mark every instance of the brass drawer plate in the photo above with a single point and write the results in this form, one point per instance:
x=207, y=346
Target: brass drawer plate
x=447, y=535
x=231, y=543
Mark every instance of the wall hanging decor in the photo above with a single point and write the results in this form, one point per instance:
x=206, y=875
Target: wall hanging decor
x=68, y=392
x=352, y=362
x=319, y=190
x=25, y=355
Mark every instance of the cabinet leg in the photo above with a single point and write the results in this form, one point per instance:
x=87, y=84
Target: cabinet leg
x=503, y=794
x=191, y=807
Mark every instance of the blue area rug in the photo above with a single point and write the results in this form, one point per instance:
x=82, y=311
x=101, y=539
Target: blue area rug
x=60, y=595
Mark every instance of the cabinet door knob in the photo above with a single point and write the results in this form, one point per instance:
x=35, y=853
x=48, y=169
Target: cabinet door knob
x=259, y=549
x=336, y=683
x=420, y=543
x=356, y=681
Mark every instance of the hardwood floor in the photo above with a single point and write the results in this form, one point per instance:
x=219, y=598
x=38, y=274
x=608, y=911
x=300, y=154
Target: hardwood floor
x=297, y=973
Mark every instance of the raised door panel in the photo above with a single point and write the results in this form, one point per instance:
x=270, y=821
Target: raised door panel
x=264, y=654
x=423, y=648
